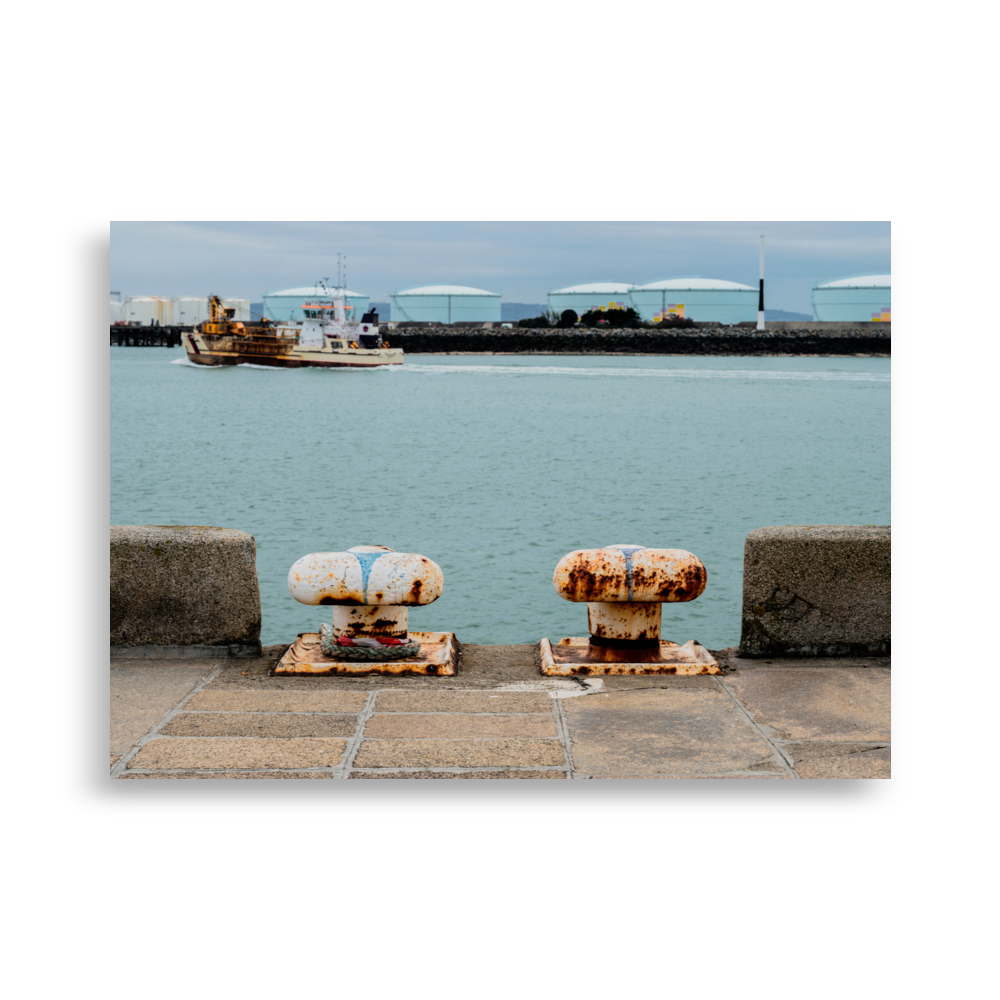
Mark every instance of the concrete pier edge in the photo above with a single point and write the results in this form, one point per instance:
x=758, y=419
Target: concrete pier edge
x=174, y=652
x=499, y=718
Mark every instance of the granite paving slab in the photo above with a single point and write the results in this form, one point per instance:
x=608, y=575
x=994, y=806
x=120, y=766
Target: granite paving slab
x=664, y=732
x=687, y=777
x=227, y=774
x=222, y=700
x=142, y=695
x=613, y=682
x=423, y=753
x=849, y=704
x=527, y=774
x=256, y=724
x=861, y=764
x=225, y=753
x=457, y=726
x=507, y=703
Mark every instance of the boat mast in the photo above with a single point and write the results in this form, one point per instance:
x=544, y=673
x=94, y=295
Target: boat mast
x=339, y=313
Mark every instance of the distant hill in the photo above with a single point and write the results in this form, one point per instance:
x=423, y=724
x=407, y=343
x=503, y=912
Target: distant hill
x=781, y=314
x=511, y=312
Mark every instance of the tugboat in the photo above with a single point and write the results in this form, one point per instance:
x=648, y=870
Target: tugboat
x=318, y=341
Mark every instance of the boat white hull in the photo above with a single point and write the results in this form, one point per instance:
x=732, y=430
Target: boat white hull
x=305, y=356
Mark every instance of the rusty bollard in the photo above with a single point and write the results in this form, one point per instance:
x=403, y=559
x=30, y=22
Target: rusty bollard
x=625, y=588
x=371, y=589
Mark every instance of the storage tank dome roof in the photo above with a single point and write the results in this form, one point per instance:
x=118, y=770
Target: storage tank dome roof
x=317, y=290
x=861, y=281
x=445, y=290
x=693, y=284
x=595, y=288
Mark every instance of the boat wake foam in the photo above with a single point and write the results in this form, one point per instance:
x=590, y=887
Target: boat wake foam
x=595, y=372
x=190, y=364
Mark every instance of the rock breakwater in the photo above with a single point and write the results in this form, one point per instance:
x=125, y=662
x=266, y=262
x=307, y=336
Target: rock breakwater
x=705, y=340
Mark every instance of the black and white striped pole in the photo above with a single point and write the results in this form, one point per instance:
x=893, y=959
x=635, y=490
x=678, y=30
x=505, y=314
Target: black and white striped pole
x=760, y=300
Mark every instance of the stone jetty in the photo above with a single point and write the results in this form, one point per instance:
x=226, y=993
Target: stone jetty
x=779, y=339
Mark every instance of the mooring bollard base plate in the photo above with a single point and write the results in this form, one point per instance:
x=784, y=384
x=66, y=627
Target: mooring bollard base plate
x=569, y=657
x=438, y=657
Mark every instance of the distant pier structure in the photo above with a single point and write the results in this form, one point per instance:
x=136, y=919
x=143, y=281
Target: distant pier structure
x=147, y=336
x=158, y=321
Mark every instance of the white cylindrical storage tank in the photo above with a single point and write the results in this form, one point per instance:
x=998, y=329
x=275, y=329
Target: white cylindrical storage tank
x=705, y=300
x=117, y=312
x=591, y=295
x=240, y=307
x=147, y=310
x=862, y=298
x=287, y=305
x=190, y=310
x=445, y=304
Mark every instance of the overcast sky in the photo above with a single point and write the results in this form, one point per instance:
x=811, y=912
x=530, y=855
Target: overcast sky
x=521, y=260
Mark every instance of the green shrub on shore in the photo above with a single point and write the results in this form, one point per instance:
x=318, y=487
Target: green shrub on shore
x=534, y=323
x=544, y=321
x=674, y=322
x=615, y=319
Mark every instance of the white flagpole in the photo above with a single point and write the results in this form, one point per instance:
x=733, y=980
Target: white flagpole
x=760, y=300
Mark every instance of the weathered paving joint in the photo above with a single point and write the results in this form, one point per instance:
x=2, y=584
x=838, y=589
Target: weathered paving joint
x=181, y=591
x=817, y=591
x=866, y=339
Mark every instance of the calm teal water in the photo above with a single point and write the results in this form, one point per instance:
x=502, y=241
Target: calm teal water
x=495, y=467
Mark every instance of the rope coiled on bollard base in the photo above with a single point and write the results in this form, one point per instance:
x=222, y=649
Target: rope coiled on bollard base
x=337, y=651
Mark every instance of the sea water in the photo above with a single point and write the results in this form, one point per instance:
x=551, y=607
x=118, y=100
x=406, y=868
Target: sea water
x=496, y=467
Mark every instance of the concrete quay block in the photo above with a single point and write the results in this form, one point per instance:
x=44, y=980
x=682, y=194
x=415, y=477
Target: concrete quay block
x=185, y=588
x=817, y=590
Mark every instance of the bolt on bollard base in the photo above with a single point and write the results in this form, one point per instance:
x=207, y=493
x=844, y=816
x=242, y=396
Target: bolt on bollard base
x=582, y=657
x=438, y=657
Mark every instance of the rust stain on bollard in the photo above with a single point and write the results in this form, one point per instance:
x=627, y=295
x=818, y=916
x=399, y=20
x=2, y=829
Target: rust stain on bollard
x=625, y=587
x=630, y=573
x=371, y=588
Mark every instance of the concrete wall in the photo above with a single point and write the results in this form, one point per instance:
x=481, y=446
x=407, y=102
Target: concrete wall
x=817, y=590
x=186, y=589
